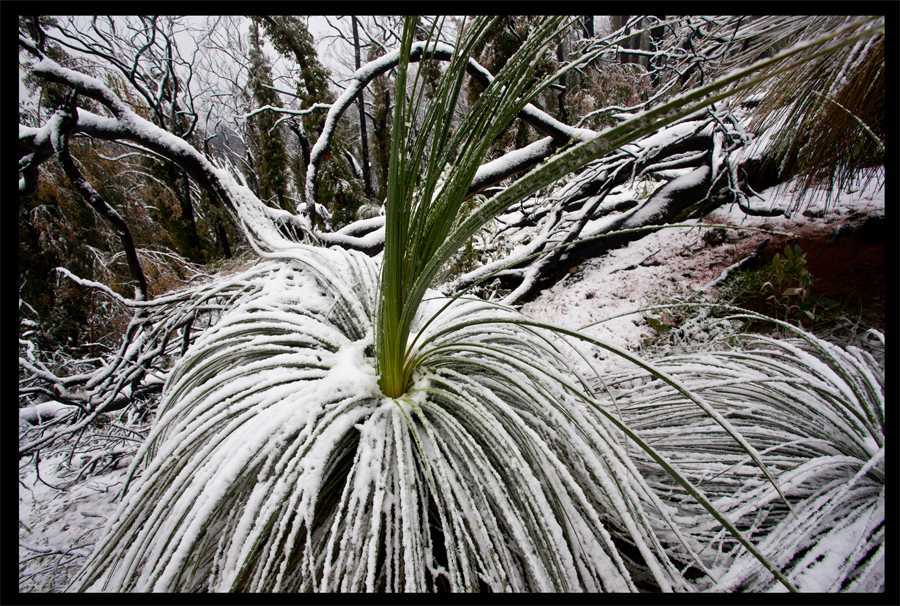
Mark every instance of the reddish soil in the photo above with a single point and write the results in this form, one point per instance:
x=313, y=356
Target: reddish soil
x=848, y=264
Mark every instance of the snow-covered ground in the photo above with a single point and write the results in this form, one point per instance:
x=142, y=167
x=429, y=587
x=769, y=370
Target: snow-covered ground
x=655, y=268
x=671, y=262
x=66, y=522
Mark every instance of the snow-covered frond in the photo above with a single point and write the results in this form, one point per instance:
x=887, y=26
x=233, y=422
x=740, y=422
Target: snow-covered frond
x=255, y=424
x=815, y=411
x=369, y=211
x=495, y=456
x=510, y=390
x=276, y=464
x=835, y=102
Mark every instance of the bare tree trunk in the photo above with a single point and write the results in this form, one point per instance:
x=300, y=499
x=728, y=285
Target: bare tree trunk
x=223, y=238
x=304, y=142
x=187, y=216
x=252, y=183
x=61, y=143
x=634, y=42
x=656, y=37
x=560, y=132
x=587, y=23
x=360, y=103
x=561, y=96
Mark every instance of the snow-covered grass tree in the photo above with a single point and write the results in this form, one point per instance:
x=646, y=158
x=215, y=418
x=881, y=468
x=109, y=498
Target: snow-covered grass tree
x=344, y=428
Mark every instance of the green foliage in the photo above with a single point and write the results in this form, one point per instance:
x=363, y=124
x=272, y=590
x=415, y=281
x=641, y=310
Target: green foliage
x=291, y=38
x=51, y=94
x=607, y=85
x=783, y=289
x=430, y=70
x=488, y=245
x=165, y=191
x=217, y=225
x=58, y=229
x=680, y=319
x=337, y=187
x=660, y=325
x=339, y=430
x=340, y=191
x=418, y=237
x=272, y=160
x=645, y=187
x=422, y=206
x=502, y=40
x=467, y=258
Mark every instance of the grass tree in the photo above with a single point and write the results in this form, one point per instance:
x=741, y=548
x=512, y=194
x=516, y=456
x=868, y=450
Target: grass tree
x=344, y=428
x=815, y=410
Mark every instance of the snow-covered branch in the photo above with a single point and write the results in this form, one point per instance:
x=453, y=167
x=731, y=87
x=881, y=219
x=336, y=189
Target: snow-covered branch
x=579, y=209
x=271, y=229
x=286, y=110
x=557, y=131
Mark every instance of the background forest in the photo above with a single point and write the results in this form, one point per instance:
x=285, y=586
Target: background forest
x=200, y=199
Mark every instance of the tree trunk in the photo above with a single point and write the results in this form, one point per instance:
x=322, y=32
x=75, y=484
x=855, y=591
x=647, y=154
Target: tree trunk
x=70, y=117
x=634, y=42
x=561, y=95
x=656, y=37
x=382, y=142
x=304, y=142
x=568, y=211
x=223, y=238
x=187, y=216
x=664, y=206
x=360, y=103
x=252, y=183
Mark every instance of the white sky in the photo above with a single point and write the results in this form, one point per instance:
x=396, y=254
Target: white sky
x=317, y=26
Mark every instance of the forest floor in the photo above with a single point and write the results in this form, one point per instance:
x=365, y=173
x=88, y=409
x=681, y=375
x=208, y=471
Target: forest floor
x=844, y=248
x=845, y=251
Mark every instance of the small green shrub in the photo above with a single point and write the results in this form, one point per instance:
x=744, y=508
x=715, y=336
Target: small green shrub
x=783, y=290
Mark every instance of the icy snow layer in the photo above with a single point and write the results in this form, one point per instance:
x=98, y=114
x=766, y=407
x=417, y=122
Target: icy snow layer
x=674, y=261
x=249, y=421
x=618, y=283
